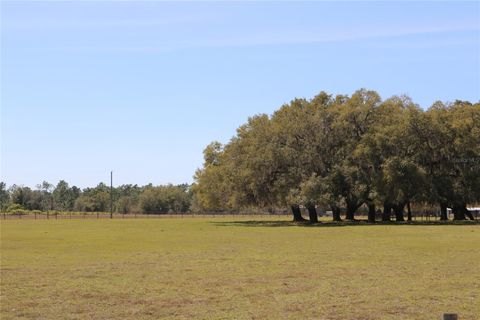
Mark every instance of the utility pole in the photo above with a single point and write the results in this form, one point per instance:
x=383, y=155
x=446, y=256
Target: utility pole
x=111, y=194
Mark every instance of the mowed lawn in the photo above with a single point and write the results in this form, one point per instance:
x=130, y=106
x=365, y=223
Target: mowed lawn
x=201, y=268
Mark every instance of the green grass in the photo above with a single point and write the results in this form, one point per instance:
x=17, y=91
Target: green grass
x=206, y=268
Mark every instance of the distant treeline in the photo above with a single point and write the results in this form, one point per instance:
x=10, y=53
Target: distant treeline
x=126, y=198
x=345, y=151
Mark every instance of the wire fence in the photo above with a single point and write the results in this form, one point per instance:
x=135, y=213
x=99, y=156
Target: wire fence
x=103, y=215
x=416, y=216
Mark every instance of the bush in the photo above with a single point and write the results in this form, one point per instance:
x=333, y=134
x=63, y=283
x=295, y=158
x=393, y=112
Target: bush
x=15, y=208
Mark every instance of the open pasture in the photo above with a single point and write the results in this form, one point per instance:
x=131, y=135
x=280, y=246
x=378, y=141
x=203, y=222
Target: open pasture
x=235, y=268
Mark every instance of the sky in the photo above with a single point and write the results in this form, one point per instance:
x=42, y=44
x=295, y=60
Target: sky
x=141, y=88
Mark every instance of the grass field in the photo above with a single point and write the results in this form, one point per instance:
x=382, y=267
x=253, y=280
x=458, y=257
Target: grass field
x=219, y=269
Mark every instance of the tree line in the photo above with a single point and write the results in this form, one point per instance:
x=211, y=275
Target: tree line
x=342, y=151
x=126, y=198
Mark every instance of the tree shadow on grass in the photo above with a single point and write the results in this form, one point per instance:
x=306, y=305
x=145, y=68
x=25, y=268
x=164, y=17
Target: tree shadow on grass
x=324, y=224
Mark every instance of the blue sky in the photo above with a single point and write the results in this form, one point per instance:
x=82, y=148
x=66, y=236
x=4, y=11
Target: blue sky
x=141, y=88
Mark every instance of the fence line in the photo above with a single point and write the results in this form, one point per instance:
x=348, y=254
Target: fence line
x=416, y=216
x=64, y=216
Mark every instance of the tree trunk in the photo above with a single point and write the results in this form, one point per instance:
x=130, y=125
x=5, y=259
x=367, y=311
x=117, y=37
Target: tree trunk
x=398, y=210
x=387, y=210
x=336, y=213
x=458, y=212
x=312, y=213
x=409, y=212
x=468, y=213
x=297, y=214
x=351, y=208
x=443, y=211
x=371, y=212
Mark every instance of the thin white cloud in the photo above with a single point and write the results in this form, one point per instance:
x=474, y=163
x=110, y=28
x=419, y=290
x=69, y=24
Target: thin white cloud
x=278, y=37
x=326, y=35
x=37, y=24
